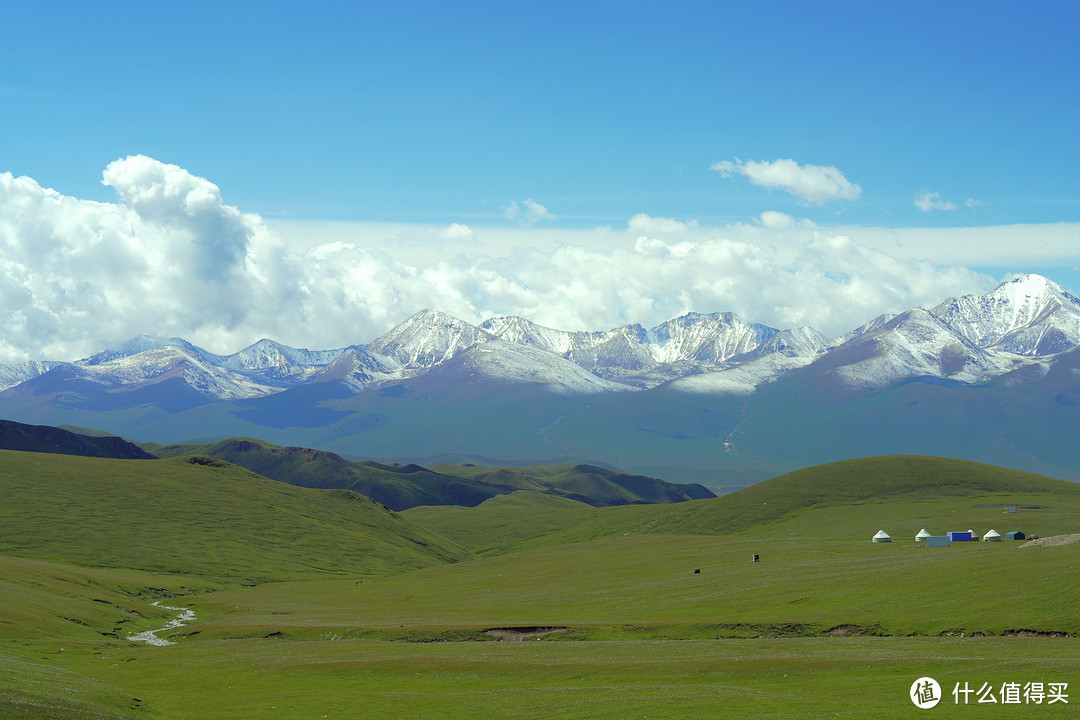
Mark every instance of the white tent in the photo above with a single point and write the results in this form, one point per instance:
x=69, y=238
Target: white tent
x=922, y=535
x=992, y=536
x=882, y=536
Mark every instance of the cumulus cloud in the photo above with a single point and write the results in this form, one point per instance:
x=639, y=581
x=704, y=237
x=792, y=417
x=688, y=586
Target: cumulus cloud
x=642, y=223
x=782, y=221
x=929, y=201
x=527, y=213
x=817, y=184
x=170, y=257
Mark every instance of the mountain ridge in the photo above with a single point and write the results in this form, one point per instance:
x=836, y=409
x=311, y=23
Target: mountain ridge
x=702, y=398
x=974, y=336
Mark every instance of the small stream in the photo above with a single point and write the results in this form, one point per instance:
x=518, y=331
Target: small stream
x=150, y=636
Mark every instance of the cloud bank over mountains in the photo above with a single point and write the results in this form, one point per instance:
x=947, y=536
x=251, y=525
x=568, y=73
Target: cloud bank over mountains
x=171, y=257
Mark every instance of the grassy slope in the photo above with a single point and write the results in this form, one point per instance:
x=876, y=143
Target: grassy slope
x=819, y=568
x=849, y=499
x=587, y=483
x=396, y=487
x=404, y=487
x=887, y=481
x=635, y=591
x=646, y=587
x=51, y=608
x=219, y=522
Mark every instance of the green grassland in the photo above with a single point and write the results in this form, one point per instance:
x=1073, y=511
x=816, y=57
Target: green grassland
x=307, y=606
x=199, y=516
x=851, y=499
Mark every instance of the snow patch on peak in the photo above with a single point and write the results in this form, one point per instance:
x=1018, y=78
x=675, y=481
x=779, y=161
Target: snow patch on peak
x=1028, y=316
x=917, y=343
x=139, y=344
x=706, y=338
x=525, y=332
x=428, y=338
x=500, y=360
x=172, y=361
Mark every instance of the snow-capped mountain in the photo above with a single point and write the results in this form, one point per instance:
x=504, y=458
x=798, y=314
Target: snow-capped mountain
x=141, y=344
x=993, y=377
x=277, y=365
x=359, y=368
x=916, y=343
x=502, y=362
x=1029, y=316
x=632, y=355
x=968, y=340
x=262, y=368
x=428, y=338
x=18, y=373
x=177, y=363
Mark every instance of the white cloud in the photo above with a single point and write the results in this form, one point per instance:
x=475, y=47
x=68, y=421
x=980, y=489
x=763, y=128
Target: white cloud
x=782, y=221
x=528, y=213
x=642, y=223
x=815, y=184
x=929, y=201
x=457, y=231
x=171, y=258
x=171, y=255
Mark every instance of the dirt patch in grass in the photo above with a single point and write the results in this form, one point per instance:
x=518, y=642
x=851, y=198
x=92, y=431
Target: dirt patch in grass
x=1053, y=540
x=1035, y=633
x=522, y=633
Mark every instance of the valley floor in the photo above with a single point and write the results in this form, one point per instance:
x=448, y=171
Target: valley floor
x=854, y=677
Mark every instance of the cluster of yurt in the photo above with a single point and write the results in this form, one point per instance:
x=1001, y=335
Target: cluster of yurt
x=924, y=536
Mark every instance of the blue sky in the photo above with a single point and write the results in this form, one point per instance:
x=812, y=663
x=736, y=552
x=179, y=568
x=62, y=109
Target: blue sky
x=422, y=132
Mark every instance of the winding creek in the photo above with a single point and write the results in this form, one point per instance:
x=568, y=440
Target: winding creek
x=150, y=636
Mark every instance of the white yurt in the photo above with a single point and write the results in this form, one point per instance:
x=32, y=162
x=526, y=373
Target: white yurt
x=921, y=537
x=882, y=536
x=992, y=536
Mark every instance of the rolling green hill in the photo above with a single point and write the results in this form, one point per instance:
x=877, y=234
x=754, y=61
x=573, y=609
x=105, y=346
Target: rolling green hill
x=847, y=499
x=397, y=487
x=201, y=516
x=589, y=484
x=400, y=487
x=886, y=482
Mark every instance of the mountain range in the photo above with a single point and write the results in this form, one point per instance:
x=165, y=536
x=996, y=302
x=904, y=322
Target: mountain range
x=700, y=398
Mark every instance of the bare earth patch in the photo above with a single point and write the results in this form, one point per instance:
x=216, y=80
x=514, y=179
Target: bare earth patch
x=522, y=633
x=1035, y=633
x=1053, y=540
